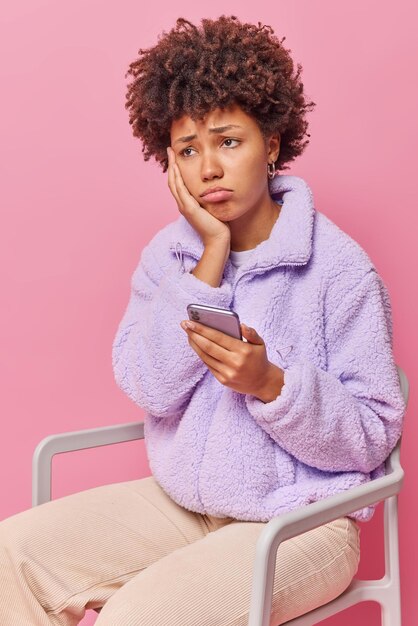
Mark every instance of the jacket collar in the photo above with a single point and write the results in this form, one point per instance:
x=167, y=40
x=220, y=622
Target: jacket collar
x=290, y=240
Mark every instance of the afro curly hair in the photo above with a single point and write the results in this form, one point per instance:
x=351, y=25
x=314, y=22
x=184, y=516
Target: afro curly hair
x=192, y=71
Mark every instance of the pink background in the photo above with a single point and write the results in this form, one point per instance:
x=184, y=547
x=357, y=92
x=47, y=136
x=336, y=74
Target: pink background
x=79, y=203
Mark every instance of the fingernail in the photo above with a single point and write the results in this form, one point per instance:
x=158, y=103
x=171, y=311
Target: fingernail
x=190, y=325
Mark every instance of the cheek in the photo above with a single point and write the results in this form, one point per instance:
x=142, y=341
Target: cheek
x=189, y=177
x=254, y=181
x=259, y=165
x=253, y=166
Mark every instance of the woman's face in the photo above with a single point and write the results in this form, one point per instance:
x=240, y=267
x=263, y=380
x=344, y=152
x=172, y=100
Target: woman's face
x=226, y=149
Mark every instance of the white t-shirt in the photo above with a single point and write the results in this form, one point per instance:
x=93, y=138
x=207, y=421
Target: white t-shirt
x=238, y=258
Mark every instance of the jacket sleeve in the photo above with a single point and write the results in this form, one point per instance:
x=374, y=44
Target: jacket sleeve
x=350, y=417
x=153, y=362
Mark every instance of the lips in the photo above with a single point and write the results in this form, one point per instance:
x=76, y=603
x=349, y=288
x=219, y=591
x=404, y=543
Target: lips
x=216, y=194
x=213, y=189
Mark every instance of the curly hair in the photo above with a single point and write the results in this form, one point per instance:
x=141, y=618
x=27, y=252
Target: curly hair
x=192, y=71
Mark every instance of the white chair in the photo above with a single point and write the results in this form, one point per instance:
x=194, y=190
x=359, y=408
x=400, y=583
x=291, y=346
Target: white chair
x=385, y=591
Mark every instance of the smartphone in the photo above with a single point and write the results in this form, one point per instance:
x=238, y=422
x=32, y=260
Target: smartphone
x=224, y=320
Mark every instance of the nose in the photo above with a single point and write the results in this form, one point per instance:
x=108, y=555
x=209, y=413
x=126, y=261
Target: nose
x=210, y=166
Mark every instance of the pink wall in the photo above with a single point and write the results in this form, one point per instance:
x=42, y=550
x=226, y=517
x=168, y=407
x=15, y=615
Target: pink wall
x=79, y=204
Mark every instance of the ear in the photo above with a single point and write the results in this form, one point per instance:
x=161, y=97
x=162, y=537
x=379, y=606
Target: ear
x=273, y=147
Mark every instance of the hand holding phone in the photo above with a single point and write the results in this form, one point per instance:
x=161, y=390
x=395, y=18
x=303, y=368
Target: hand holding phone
x=245, y=369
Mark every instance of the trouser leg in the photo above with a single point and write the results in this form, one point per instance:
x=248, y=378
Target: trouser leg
x=73, y=553
x=208, y=583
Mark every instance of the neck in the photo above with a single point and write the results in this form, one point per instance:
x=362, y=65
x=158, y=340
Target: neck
x=254, y=226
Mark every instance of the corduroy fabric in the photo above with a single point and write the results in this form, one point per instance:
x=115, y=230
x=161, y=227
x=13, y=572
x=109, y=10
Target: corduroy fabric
x=129, y=548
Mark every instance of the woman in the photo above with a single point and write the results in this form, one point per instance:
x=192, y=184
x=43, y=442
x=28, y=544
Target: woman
x=237, y=432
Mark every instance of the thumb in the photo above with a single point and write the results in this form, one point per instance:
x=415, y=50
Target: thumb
x=251, y=335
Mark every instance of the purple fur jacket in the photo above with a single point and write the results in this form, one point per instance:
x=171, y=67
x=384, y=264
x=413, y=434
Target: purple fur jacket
x=324, y=313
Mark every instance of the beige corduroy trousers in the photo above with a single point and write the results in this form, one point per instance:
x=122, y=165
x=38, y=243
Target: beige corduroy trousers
x=129, y=548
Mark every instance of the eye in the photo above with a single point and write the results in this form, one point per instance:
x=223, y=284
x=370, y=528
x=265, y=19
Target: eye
x=183, y=152
x=230, y=139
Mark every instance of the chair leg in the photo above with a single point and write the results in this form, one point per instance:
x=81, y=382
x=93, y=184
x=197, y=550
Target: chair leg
x=391, y=605
x=391, y=616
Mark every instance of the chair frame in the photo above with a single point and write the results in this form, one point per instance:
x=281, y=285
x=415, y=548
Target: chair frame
x=386, y=590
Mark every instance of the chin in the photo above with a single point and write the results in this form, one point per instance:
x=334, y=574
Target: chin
x=221, y=213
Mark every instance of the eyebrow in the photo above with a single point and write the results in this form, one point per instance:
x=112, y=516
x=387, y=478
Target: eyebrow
x=219, y=129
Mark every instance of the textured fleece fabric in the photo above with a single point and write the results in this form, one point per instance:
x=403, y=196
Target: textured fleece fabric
x=324, y=313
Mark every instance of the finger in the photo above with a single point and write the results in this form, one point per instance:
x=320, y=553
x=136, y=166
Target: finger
x=185, y=196
x=217, y=336
x=171, y=177
x=212, y=363
x=251, y=335
x=219, y=377
x=212, y=349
